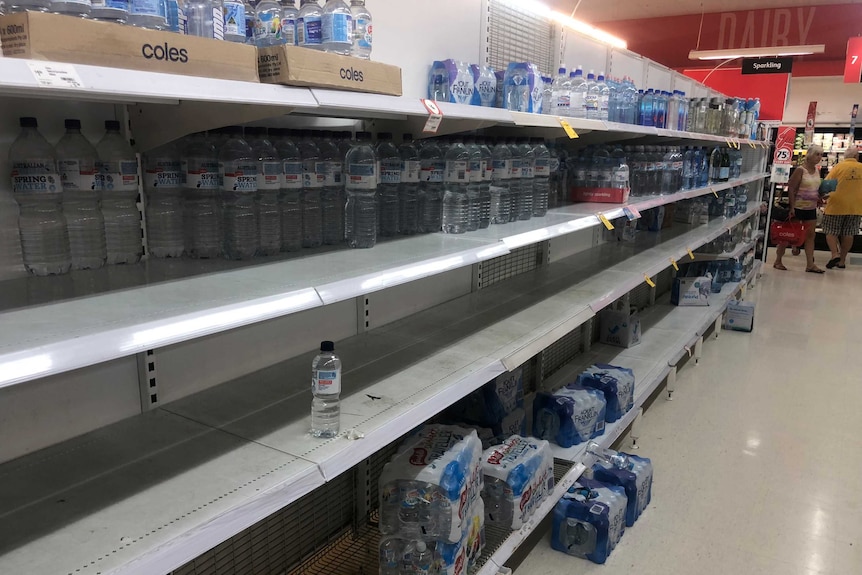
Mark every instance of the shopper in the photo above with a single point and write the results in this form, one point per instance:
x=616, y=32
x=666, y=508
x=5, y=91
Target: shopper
x=843, y=208
x=803, y=191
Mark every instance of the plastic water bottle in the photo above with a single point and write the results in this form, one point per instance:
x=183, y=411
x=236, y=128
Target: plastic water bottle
x=332, y=193
x=269, y=178
x=741, y=199
x=591, y=97
x=313, y=176
x=362, y=30
x=390, y=556
x=474, y=187
x=290, y=199
x=515, y=181
x=267, y=24
x=409, y=194
x=361, y=183
x=730, y=203
x=309, y=26
x=604, y=95
x=432, y=169
x=37, y=189
x=389, y=172
x=561, y=94
x=163, y=187
x=541, y=177
x=71, y=7
x=487, y=168
x=577, y=93
x=289, y=16
x=235, y=16
x=110, y=10
x=238, y=167
x=609, y=456
x=671, y=181
x=620, y=178
x=528, y=166
x=456, y=203
x=337, y=28
x=204, y=18
x=646, y=115
x=501, y=181
x=423, y=559
x=76, y=161
x=117, y=173
x=715, y=166
x=202, y=212
x=701, y=160
x=150, y=14
x=326, y=389
x=438, y=83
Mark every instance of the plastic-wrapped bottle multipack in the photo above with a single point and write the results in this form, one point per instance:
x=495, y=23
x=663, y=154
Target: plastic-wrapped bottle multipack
x=495, y=411
x=519, y=475
x=635, y=478
x=618, y=385
x=589, y=520
x=570, y=416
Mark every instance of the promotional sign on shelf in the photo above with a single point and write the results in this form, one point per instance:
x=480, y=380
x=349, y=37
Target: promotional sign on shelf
x=809, y=123
x=782, y=161
x=853, y=63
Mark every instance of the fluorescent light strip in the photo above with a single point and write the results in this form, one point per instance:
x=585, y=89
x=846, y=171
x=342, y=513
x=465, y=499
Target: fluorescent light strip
x=757, y=52
x=577, y=25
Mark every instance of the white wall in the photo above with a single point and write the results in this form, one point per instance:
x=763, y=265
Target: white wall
x=834, y=100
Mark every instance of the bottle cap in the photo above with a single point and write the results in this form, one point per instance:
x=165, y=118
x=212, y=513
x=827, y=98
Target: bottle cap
x=72, y=124
x=112, y=125
x=407, y=138
x=327, y=346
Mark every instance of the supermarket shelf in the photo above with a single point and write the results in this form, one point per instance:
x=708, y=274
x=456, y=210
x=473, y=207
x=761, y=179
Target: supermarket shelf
x=740, y=249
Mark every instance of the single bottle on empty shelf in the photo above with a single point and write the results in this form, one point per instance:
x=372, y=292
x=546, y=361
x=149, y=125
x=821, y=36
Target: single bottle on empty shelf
x=326, y=389
x=388, y=208
x=238, y=168
x=117, y=173
x=409, y=195
x=37, y=189
x=202, y=211
x=269, y=177
x=290, y=199
x=361, y=209
x=76, y=160
x=362, y=30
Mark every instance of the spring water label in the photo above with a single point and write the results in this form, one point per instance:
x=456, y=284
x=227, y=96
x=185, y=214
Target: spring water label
x=36, y=176
x=477, y=171
x=543, y=168
x=390, y=171
x=165, y=174
x=515, y=169
x=410, y=171
x=269, y=176
x=293, y=175
x=117, y=175
x=238, y=177
x=313, y=174
x=364, y=41
x=310, y=31
x=501, y=170
x=234, y=18
x=337, y=28
x=433, y=171
x=288, y=30
x=457, y=172
x=326, y=382
x=77, y=175
x=201, y=175
x=361, y=177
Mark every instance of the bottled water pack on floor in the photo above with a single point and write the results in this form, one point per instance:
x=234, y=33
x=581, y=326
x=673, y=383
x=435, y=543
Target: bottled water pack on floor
x=635, y=478
x=427, y=489
x=589, y=520
x=519, y=475
x=618, y=385
x=569, y=416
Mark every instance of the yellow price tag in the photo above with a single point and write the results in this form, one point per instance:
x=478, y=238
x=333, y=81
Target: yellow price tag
x=570, y=132
x=690, y=253
x=728, y=142
x=604, y=219
x=714, y=193
x=673, y=263
x=649, y=281
x=752, y=145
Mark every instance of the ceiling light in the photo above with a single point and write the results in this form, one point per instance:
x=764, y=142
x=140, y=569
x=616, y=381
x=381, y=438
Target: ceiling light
x=756, y=52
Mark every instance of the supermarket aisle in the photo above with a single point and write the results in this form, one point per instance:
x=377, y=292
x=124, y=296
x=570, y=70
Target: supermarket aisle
x=758, y=458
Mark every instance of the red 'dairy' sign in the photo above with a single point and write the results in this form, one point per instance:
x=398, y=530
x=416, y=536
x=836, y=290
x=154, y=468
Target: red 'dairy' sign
x=853, y=63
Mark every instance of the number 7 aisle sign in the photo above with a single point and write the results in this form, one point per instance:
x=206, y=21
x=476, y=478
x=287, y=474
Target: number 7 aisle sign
x=853, y=64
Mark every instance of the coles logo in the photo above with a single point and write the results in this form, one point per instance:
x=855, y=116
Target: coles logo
x=419, y=457
x=165, y=52
x=351, y=74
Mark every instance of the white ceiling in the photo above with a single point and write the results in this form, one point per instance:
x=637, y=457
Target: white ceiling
x=609, y=10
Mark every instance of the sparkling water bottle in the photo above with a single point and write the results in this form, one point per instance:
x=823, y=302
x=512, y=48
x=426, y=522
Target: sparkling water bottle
x=501, y=180
x=332, y=193
x=290, y=199
x=474, y=186
x=528, y=165
x=337, y=28
x=362, y=30
x=37, y=189
x=235, y=16
x=313, y=175
x=118, y=181
x=204, y=18
x=269, y=178
x=289, y=16
x=163, y=187
x=361, y=210
x=71, y=7
x=267, y=24
x=110, y=10
x=202, y=212
x=150, y=14
x=309, y=25
x=238, y=168
x=326, y=389
x=432, y=168
x=389, y=172
x=456, y=203
x=76, y=160
x=409, y=194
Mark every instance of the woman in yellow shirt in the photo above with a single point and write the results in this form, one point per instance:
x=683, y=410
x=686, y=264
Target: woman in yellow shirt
x=843, y=212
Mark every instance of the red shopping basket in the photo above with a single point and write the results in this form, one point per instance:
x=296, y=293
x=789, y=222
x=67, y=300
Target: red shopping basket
x=791, y=233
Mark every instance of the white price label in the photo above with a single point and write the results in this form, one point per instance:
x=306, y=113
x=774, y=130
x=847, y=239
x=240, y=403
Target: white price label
x=54, y=75
x=435, y=116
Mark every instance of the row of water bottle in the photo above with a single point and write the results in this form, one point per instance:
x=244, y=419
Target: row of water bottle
x=593, y=97
x=730, y=117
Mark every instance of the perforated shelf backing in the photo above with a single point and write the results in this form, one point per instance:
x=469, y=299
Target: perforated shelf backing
x=562, y=352
x=664, y=282
x=518, y=34
x=641, y=296
x=519, y=261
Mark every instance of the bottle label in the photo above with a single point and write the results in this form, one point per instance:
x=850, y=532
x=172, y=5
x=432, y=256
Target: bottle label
x=526, y=170
x=621, y=177
x=390, y=171
x=218, y=23
x=234, y=19
x=77, y=175
x=288, y=30
x=433, y=171
x=117, y=175
x=201, y=175
x=677, y=165
x=36, y=176
x=363, y=40
x=238, y=177
x=457, y=172
x=410, y=171
x=326, y=382
x=563, y=102
x=501, y=170
x=333, y=174
x=361, y=177
x=267, y=26
x=515, y=169
x=337, y=28
x=164, y=174
x=149, y=8
x=477, y=171
x=293, y=175
x=309, y=29
x=313, y=174
x=543, y=168
x=724, y=173
x=555, y=164
x=269, y=177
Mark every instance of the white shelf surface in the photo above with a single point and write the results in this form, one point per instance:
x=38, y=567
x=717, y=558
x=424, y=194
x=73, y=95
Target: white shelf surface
x=740, y=249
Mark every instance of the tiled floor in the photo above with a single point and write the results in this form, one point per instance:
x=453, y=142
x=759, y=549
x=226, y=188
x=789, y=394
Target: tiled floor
x=758, y=460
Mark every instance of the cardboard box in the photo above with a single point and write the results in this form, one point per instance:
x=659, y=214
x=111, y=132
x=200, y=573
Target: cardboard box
x=691, y=291
x=52, y=37
x=739, y=316
x=293, y=66
x=619, y=327
x=601, y=195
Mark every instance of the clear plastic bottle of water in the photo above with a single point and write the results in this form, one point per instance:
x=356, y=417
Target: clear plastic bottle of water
x=389, y=174
x=313, y=176
x=235, y=16
x=620, y=169
x=561, y=94
x=390, y=556
x=362, y=30
x=456, y=201
x=432, y=168
x=501, y=193
x=528, y=167
x=290, y=199
x=409, y=194
x=474, y=188
x=289, y=16
x=578, y=94
x=118, y=181
x=267, y=24
x=150, y=14
x=609, y=456
x=76, y=160
x=337, y=28
x=110, y=10
x=591, y=97
x=730, y=203
x=163, y=187
x=326, y=389
x=37, y=189
x=515, y=181
x=487, y=167
x=673, y=170
x=741, y=199
x=604, y=95
x=269, y=179
x=361, y=183
x=28, y=5
x=332, y=193
x=71, y=7
x=309, y=26
x=688, y=169
x=238, y=172
x=249, y=6
x=541, y=177
x=423, y=559
x=715, y=165
x=204, y=18
x=202, y=212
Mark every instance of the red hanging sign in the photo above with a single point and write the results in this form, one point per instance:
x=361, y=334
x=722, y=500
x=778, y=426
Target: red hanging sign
x=853, y=63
